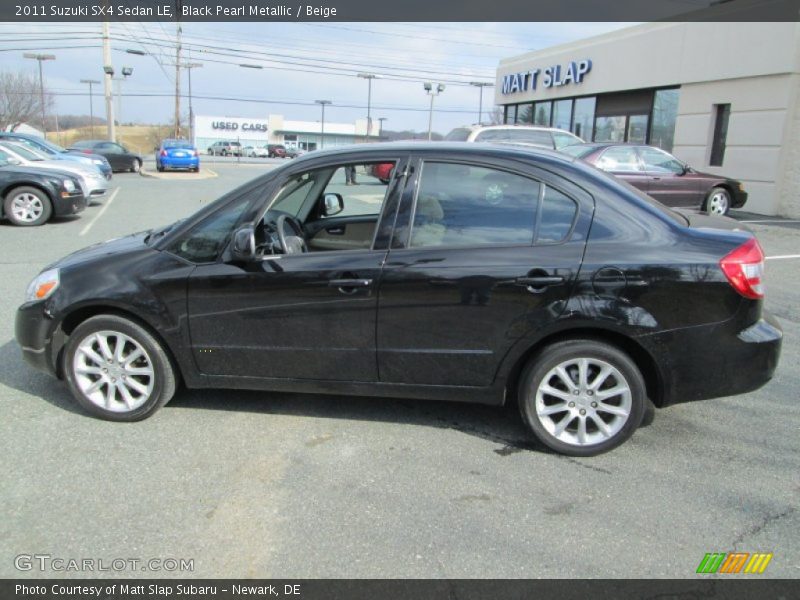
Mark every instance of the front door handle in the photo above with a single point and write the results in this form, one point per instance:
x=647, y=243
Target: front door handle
x=349, y=286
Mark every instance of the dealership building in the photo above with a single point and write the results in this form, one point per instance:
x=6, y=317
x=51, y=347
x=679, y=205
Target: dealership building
x=274, y=129
x=723, y=97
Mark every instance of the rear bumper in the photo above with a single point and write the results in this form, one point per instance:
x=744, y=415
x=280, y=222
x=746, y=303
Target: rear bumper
x=190, y=162
x=699, y=363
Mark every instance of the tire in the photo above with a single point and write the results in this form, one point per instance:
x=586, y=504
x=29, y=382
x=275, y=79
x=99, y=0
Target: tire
x=543, y=390
x=224, y=153
x=27, y=206
x=718, y=202
x=97, y=384
x=136, y=165
x=159, y=168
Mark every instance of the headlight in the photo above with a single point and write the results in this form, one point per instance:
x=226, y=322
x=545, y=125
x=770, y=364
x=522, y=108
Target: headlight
x=43, y=286
x=741, y=186
x=69, y=185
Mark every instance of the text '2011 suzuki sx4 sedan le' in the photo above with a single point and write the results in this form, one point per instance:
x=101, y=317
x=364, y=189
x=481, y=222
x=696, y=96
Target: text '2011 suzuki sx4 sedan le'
x=474, y=274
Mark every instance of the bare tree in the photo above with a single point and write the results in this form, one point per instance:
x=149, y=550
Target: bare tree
x=496, y=116
x=20, y=100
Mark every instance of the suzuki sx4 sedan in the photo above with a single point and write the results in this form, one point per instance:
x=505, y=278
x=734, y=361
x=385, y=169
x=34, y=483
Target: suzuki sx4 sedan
x=474, y=274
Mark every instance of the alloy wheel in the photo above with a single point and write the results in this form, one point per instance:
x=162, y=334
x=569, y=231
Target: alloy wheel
x=27, y=207
x=583, y=401
x=113, y=371
x=718, y=202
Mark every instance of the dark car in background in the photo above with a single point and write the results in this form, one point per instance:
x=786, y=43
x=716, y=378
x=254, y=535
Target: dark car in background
x=477, y=274
x=177, y=154
x=32, y=195
x=120, y=158
x=56, y=152
x=664, y=177
x=276, y=151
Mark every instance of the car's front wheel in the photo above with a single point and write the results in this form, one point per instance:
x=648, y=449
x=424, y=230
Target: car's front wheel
x=718, y=202
x=27, y=206
x=136, y=165
x=117, y=370
x=582, y=397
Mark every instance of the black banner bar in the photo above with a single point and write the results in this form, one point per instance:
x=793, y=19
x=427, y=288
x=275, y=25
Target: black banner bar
x=406, y=10
x=733, y=588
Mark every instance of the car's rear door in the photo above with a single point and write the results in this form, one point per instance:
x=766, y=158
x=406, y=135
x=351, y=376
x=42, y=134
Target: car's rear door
x=483, y=253
x=624, y=162
x=667, y=181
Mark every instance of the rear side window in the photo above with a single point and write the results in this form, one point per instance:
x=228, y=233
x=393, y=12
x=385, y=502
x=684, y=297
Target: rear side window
x=463, y=205
x=557, y=216
x=531, y=136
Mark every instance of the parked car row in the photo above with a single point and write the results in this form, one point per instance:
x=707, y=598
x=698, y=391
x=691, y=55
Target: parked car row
x=648, y=168
x=231, y=148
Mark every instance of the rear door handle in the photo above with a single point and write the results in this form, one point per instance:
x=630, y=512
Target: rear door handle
x=350, y=286
x=540, y=280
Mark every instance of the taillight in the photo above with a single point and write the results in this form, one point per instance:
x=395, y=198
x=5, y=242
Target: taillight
x=744, y=268
x=163, y=153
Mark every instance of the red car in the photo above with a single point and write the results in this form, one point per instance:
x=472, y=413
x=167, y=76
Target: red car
x=663, y=177
x=382, y=171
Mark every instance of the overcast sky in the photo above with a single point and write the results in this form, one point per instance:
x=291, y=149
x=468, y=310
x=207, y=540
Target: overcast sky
x=317, y=61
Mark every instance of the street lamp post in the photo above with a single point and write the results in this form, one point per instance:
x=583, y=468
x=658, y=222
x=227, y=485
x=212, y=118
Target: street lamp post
x=91, y=82
x=322, y=103
x=380, y=125
x=126, y=72
x=41, y=58
x=432, y=93
x=369, y=77
x=480, y=85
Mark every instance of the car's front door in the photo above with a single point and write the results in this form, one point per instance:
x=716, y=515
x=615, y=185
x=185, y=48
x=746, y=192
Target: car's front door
x=483, y=254
x=306, y=315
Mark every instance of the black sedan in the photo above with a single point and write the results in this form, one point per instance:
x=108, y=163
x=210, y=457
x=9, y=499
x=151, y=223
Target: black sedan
x=32, y=195
x=120, y=158
x=475, y=274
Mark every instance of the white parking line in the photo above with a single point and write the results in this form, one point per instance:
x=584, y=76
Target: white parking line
x=783, y=256
x=772, y=221
x=108, y=202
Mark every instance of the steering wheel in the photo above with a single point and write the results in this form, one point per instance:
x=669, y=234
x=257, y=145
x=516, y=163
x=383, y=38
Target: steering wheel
x=291, y=244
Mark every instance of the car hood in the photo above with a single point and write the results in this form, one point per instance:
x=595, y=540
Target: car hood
x=103, y=250
x=51, y=173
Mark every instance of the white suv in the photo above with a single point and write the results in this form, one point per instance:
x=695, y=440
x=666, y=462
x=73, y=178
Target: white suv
x=547, y=137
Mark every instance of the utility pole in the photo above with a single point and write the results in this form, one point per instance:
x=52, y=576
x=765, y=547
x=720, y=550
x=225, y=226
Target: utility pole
x=380, y=126
x=189, y=66
x=91, y=82
x=108, y=92
x=322, y=131
x=41, y=58
x=480, y=85
x=178, y=84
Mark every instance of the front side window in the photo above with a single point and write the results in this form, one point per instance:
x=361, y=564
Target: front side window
x=658, y=161
x=206, y=240
x=463, y=205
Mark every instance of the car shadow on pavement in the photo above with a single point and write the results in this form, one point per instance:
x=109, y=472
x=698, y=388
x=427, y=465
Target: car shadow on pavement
x=501, y=425
x=63, y=220
x=17, y=375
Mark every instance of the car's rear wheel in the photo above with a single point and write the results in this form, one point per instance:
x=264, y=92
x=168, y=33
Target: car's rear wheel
x=27, y=206
x=718, y=202
x=582, y=397
x=117, y=370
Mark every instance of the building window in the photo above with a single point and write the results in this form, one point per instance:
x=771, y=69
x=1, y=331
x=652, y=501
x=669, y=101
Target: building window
x=562, y=114
x=542, y=113
x=722, y=114
x=665, y=113
x=637, y=129
x=609, y=129
x=525, y=114
x=583, y=118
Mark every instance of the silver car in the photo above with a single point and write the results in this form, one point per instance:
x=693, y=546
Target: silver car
x=93, y=183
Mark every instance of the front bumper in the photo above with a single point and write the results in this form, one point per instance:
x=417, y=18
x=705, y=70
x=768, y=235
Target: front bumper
x=37, y=335
x=70, y=204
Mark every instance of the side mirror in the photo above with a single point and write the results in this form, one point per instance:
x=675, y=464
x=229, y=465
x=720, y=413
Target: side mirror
x=333, y=204
x=244, y=243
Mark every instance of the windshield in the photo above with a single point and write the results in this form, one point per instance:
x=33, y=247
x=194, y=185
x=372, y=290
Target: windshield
x=24, y=152
x=458, y=135
x=580, y=150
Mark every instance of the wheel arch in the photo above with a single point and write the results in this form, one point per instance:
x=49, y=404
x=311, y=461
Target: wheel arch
x=83, y=313
x=646, y=363
x=18, y=184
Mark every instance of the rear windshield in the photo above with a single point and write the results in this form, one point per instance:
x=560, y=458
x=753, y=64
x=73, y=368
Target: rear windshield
x=177, y=144
x=458, y=135
x=580, y=150
x=527, y=136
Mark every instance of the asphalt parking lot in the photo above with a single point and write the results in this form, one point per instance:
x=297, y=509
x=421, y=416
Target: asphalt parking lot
x=252, y=484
